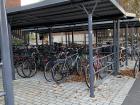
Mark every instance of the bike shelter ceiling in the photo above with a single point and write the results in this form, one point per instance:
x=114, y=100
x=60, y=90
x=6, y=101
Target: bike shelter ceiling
x=55, y=12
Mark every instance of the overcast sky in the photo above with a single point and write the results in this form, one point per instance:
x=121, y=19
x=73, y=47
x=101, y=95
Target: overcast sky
x=27, y=2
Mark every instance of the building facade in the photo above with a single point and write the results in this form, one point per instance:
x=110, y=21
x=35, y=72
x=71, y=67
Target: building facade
x=13, y=3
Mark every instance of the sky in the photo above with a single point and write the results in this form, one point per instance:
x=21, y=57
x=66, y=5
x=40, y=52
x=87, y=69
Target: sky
x=27, y=2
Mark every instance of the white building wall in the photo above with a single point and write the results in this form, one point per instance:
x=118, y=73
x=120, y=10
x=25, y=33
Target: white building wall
x=79, y=38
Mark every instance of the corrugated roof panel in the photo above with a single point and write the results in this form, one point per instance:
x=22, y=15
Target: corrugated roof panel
x=53, y=12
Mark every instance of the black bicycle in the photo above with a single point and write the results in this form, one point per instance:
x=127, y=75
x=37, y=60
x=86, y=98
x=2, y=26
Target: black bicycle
x=65, y=67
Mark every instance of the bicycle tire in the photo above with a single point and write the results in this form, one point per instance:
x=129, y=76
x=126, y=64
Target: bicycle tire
x=135, y=54
x=48, y=71
x=78, y=67
x=19, y=70
x=136, y=69
x=86, y=75
x=57, y=74
x=34, y=69
x=29, y=69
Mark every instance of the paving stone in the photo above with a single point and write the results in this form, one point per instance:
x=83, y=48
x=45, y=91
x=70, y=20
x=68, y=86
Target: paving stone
x=36, y=91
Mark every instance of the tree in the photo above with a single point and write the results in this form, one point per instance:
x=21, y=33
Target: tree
x=131, y=6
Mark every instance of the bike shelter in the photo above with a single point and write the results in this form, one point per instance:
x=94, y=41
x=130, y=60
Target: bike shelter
x=53, y=13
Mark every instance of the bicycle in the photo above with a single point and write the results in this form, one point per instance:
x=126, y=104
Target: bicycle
x=53, y=58
x=97, y=65
x=23, y=63
x=50, y=62
x=65, y=67
x=102, y=66
x=24, y=66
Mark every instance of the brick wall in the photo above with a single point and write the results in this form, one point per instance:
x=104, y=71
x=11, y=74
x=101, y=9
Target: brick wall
x=13, y=3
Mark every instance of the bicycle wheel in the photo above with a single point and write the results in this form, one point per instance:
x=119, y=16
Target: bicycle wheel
x=78, y=67
x=18, y=68
x=136, y=69
x=47, y=71
x=58, y=72
x=87, y=76
x=29, y=68
x=136, y=54
x=33, y=69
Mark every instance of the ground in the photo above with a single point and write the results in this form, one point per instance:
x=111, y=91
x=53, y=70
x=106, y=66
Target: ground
x=36, y=91
x=112, y=91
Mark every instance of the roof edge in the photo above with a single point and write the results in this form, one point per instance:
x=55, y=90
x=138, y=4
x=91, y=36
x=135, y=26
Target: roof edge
x=130, y=15
x=35, y=5
x=126, y=14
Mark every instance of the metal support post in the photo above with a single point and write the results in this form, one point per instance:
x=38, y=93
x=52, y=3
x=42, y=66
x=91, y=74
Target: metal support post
x=118, y=47
x=137, y=35
x=90, y=38
x=50, y=36
x=114, y=43
x=0, y=47
x=96, y=34
x=126, y=45
x=21, y=36
x=11, y=53
x=85, y=37
x=132, y=35
x=18, y=33
x=42, y=39
x=28, y=38
x=72, y=36
x=36, y=37
x=24, y=33
x=66, y=39
x=6, y=56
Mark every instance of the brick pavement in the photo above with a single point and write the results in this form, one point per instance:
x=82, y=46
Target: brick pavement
x=36, y=91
